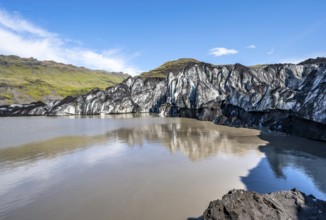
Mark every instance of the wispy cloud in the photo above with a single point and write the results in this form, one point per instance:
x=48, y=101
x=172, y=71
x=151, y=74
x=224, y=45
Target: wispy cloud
x=252, y=46
x=221, y=51
x=21, y=37
x=270, y=52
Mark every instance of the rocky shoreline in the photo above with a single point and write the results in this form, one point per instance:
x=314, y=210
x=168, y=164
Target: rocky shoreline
x=241, y=204
x=279, y=97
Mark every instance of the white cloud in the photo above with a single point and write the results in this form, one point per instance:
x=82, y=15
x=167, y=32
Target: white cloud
x=252, y=46
x=271, y=51
x=23, y=38
x=18, y=24
x=221, y=51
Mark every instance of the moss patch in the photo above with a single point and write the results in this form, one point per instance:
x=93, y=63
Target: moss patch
x=171, y=66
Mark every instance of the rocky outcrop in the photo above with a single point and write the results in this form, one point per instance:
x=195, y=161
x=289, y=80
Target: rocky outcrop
x=281, y=97
x=240, y=204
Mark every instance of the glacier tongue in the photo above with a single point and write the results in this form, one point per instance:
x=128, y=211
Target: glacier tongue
x=277, y=97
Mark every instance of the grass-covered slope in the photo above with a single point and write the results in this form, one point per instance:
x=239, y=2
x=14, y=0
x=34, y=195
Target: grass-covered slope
x=171, y=66
x=26, y=80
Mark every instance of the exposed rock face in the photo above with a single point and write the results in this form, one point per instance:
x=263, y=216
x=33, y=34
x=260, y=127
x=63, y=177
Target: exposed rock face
x=240, y=204
x=282, y=97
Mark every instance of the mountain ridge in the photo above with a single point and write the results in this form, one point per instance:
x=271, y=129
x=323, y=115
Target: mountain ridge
x=178, y=65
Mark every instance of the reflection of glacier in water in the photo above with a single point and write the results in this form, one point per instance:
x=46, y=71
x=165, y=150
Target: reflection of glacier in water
x=291, y=162
x=195, y=139
x=29, y=171
x=184, y=162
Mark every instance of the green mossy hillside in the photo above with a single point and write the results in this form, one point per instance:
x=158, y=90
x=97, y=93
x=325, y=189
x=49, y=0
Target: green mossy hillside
x=23, y=80
x=171, y=66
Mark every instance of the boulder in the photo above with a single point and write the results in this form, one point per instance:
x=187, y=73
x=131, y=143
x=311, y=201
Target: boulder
x=283, y=205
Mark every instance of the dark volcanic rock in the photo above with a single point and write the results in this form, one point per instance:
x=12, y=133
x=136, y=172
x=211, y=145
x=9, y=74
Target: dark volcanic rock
x=280, y=97
x=318, y=60
x=240, y=204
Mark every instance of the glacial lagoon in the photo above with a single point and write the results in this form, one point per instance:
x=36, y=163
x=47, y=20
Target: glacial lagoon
x=143, y=166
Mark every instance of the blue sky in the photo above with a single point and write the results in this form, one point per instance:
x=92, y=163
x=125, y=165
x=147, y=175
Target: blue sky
x=135, y=36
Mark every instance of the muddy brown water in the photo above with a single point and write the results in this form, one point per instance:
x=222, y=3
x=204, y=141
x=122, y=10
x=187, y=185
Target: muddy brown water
x=143, y=166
